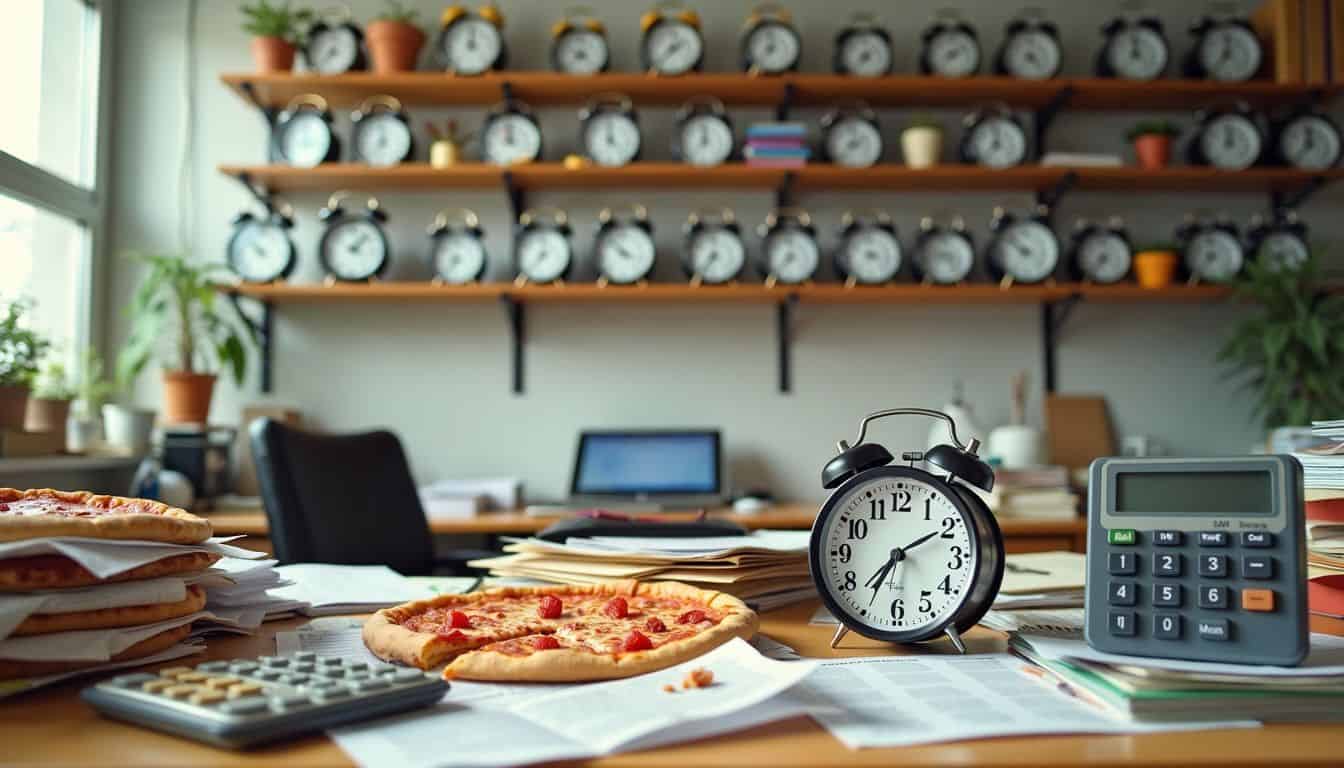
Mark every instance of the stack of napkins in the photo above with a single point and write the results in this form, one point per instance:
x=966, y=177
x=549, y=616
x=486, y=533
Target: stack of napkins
x=318, y=589
x=241, y=590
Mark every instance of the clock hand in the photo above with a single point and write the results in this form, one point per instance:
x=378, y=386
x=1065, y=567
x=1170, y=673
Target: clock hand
x=917, y=542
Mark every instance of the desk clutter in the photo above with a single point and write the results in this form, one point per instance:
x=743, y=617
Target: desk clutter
x=1323, y=472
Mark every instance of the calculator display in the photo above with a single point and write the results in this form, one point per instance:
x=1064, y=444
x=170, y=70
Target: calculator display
x=1194, y=493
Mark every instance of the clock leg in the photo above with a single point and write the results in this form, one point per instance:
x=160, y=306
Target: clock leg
x=840, y=632
x=955, y=637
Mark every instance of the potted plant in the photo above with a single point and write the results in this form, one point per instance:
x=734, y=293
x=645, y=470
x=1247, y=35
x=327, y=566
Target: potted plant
x=1155, y=265
x=176, y=303
x=394, y=40
x=446, y=148
x=922, y=142
x=92, y=389
x=1152, y=143
x=49, y=405
x=20, y=349
x=275, y=29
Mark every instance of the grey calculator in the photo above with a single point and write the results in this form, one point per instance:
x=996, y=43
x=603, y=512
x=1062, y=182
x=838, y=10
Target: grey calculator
x=1201, y=559
x=244, y=702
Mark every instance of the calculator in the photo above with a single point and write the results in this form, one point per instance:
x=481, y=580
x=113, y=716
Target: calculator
x=244, y=702
x=1200, y=559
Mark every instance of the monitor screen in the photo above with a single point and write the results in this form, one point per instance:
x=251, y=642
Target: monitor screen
x=637, y=463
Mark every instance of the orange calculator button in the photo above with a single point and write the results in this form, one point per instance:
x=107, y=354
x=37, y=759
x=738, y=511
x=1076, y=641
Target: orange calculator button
x=1257, y=599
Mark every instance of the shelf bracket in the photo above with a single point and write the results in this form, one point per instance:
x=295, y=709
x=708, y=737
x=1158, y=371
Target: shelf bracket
x=517, y=316
x=1053, y=316
x=517, y=200
x=260, y=192
x=1280, y=200
x=1050, y=197
x=784, y=192
x=506, y=92
x=1046, y=115
x=784, y=312
x=263, y=333
x=785, y=102
x=268, y=114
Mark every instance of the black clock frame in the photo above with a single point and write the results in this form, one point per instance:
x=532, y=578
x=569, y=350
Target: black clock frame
x=1194, y=148
x=465, y=223
x=776, y=222
x=333, y=215
x=703, y=221
x=764, y=16
x=1112, y=28
x=928, y=229
x=610, y=218
x=1278, y=127
x=571, y=23
x=456, y=14
x=940, y=25
x=1283, y=221
x=972, y=122
x=361, y=61
x=861, y=23
x=1083, y=231
x=1028, y=23
x=701, y=106
x=1192, y=226
x=530, y=221
x=1200, y=29
x=380, y=104
x=609, y=104
x=511, y=106
x=1004, y=220
x=659, y=15
x=857, y=110
x=304, y=102
x=855, y=222
x=276, y=218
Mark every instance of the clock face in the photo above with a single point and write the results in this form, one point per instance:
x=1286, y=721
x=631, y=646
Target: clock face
x=953, y=53
x=895, y=554
x=998, y=142
x=1214, y=255
x=581, y=52
x=459, y=257
x=625, y=253
x=383, y=139
x=305, y=140
x=543, y=254
x=471, y=46
x=260, y=251
x=1027, y=251
x=871, y=255
x=946, y=257
x=773, y=47
x=1282, y=250
x=611, y=138
x=1137, y=53
x=673, y=47
x=1104, y=257
x=1310, y=142
x=354, y=249
x=1032, y=54
x=854, y=142
x=866, y=54
x=332, y=50
x=1230, y=53
x=706, y=140
x=716, y=255
x=1230, y=142
x=791, y=255
x=510, y=138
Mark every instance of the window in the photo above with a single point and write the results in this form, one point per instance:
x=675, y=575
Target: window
x=43, y=257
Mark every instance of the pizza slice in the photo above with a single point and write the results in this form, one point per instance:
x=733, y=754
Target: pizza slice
x=44, y=513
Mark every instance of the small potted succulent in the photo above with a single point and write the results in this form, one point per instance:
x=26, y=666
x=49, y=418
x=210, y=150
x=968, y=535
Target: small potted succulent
x=20, y=350
x=922, y=142
x=276, y=32
x=49, y=406
x=1155, y=265
x=92, y=390
x=394, y=40
x=1152, y=143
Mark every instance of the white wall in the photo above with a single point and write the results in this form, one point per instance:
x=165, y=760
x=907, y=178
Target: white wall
x=438, y=374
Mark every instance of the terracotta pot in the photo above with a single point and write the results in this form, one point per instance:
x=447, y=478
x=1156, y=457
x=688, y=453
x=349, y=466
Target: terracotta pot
x=13, y=405
x=1153, y=151
x=46, y=415
x=1155, y=269
x=922, y=146
x=273, y=54
x=186, y=397
x=393, y=46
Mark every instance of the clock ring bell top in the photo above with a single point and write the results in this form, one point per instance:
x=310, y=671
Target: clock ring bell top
x=671, y=42
x=543, y=250
x=457, y=252
x=471, y=42
x=712, y=251
x=609, y=130
x=354, y=246
x=870, y=250
x=260, y=249
x=1031, y=49
x=623, y=247
x=380, y=132
x=863, y=48
x=771, y=44
x=906, y=552
x=579, y=44
x=789, y=250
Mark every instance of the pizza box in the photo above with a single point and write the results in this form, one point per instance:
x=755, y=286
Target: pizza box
x=17, y=444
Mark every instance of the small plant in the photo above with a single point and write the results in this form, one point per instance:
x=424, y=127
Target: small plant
x=1153, y=128
x=398, y=13
x=20, y=348
x=92, y=387
x=452, y=132
x=923, y=121
x=265, y=19
x=52, y=383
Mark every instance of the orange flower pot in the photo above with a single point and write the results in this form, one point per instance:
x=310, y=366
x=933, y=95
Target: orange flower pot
x=1155, y=269
x=272, y=54
x=1153, y=151
x=186, y=397
x=393, y=46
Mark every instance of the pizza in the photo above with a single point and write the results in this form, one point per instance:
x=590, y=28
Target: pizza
x=559, y=633
x=23, y=574
x=111, y=618
x=11, y=669
x=45, y=513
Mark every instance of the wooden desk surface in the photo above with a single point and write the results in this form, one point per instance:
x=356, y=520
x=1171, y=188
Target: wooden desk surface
x=52, y=727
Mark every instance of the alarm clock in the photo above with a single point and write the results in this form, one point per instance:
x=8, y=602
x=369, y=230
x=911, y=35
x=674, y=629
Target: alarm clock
x=1022, y=249
x=671, y=42
x=260, y=249
x=863, y=48
x=1227, y=138
x=1211, y=251
x=704, y=134
x=906, y=552
x=457, y=254
x=380, y=132
x=850, y=136
x=870, y=251
x=1307, y=139
x=712, y=251
x=1100, y=253
x=510, y=134
x=993, y=137
x=770, y=43
x=1278, y=243
x=623, y=247
x=1031, y=49
x=302, y=134
x=789, y=252
x=609, y=129
x=1135, y=48
x=579, y=43
x=542, y=250
x=471, y=42
x=944, y=253
x=335, y=44
x=354, y=247
x=950, y=47
x=1226, y=50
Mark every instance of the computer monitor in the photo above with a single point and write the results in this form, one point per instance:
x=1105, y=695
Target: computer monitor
x=655, y=465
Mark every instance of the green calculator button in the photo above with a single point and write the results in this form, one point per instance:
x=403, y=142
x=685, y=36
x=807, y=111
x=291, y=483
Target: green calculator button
x=1121, y=536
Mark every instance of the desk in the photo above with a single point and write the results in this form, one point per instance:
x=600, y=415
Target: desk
x=52, y=727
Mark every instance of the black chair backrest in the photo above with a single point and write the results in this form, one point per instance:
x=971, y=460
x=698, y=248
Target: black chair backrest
x=346, y=499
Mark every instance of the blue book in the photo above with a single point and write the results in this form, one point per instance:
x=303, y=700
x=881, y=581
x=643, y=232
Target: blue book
x=775, y=152
x=776, y=130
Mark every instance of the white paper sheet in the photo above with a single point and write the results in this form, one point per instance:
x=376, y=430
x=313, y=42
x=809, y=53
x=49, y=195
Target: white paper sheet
x=105, y=558
x=345, y=588
x=13, y=687
x=15, y=608
x=1326, y=657
x=93, y=644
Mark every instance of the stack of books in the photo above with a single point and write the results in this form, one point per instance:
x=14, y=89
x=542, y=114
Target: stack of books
x=1323, y=476
x=777, y=145
x=1036, y=493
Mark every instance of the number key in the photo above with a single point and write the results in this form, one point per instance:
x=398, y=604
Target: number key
x=1166, y=564
x=1213, y=565
x=1257, y=567
x=1122, y=623
x=1213, y=597
x=1167, y=626
x=1122, y=563
x=1122, y=593
x=1167, y=595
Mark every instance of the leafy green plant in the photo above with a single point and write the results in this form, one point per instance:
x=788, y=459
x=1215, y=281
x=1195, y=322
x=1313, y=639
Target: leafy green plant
x=52, y=383
x=1153, y=128
x=1290, y=351
x=92, y=387
x=177, y=303
x=20, y=348
x=396, y=11
x=265, y=19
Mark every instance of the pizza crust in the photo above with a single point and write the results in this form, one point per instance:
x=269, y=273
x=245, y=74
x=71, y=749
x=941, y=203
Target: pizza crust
x=118, y=518
x=109, y=618
x=23, y=574
x=12, y=669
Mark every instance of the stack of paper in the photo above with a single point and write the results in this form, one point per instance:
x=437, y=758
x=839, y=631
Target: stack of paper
x=1040, y=493
x=318, y=589
x=777, y=145
x=1323, y=476
x=242, y=590
x=1042, y=580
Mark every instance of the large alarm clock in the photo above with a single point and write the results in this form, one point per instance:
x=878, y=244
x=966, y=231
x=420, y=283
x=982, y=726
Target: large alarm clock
x=1278, y=243
x=712, y=251
x=950, y=47
x=1307, y=139
x=1031, y=49
x=1022, y=249
x=1211, y=251
x=354, y=246
x=850, y=136
x=1100, y=253
x=542, y=250
x=993, y=137
x=789, y=250
x=334, y=44
x=380, y=132
x=870, y=251
x=510, y=134
x=906, y=552
x=863, y=48
x=609, y=130
x=1226, y=50
x=1135, y=48
x=1227, y=138
x=471, y=42
x=704, y=134
x=579, y=43
x=260, y=249
x=623, y=247
x=770, y=43
x=302, y=134
x=457, y=252
x=671, y=42
x=944, y=254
